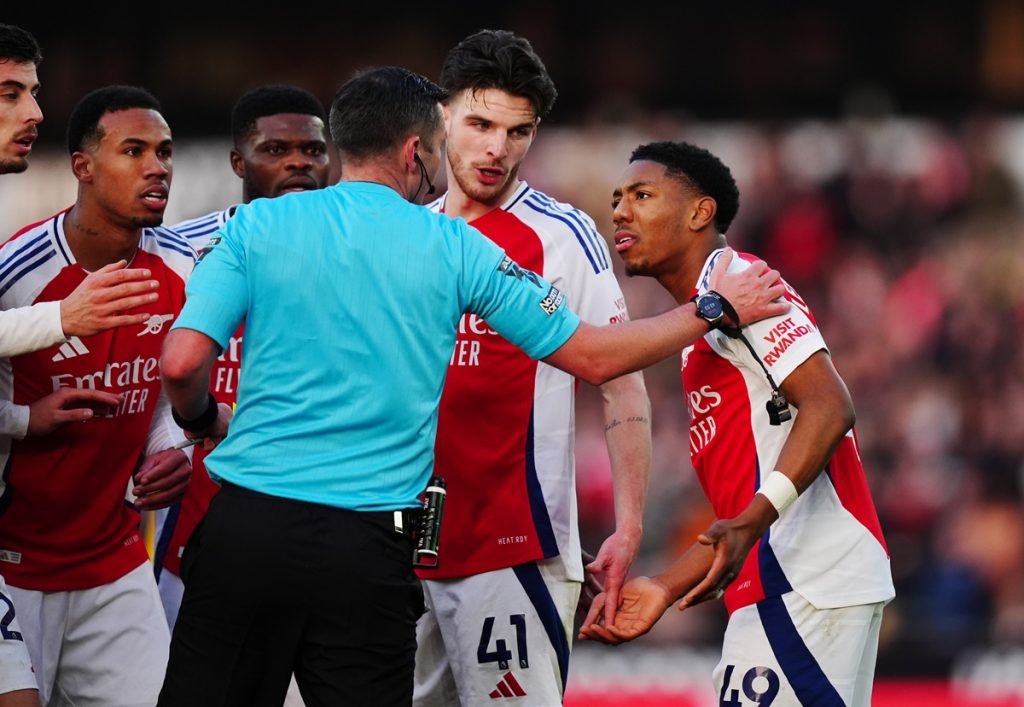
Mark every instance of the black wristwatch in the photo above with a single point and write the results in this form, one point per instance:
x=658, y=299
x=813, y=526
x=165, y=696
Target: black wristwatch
x=710, y=308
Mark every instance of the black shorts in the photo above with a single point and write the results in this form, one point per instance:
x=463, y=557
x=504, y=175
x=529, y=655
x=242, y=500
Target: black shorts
x=275, y=586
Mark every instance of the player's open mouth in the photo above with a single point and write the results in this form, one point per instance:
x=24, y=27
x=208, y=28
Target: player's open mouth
x=490, y=176
x=155, y=197
x=24, y=143
x=623, y=241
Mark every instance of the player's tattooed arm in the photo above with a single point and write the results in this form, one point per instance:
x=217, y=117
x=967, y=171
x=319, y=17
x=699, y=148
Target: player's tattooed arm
x=632, y=418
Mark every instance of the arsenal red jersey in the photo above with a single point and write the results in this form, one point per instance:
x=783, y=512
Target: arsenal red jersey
x=506, y=424
x=828, y=545
x=64, y=521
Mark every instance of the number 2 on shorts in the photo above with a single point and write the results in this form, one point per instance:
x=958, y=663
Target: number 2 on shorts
x=5, y=632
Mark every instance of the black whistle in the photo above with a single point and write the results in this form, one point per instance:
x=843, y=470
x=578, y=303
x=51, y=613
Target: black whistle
x=428, y=534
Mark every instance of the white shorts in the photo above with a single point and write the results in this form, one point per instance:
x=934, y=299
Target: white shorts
x=101, y=646
x=505, y=633
x=785, y=652
x=15, y=666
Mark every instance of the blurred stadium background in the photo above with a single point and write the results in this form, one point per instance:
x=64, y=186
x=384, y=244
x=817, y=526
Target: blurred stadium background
x=880, y=156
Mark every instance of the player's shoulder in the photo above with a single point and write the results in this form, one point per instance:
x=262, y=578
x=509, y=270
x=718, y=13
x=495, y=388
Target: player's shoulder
x=171, y=247
x=560, y=225
x=30, y=258
x=32, y=233
x=203, y=226
x=437, y=205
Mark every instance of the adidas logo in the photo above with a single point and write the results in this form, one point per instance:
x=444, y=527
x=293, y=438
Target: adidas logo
x=69, y=349
x=508, y=686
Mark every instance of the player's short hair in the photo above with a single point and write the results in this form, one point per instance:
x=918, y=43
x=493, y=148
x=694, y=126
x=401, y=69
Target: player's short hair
x=503, y=60
x=697, y=169
x=19, y=46
x=378, y=108
x=271, y=100
x=84, y=123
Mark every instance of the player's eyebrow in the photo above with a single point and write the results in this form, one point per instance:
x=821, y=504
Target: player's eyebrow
x=630, y=187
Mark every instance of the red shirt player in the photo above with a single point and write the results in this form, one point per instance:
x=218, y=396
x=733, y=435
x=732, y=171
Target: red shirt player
x=69, y=543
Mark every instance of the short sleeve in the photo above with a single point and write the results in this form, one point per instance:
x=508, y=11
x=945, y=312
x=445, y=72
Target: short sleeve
x=522, y=306
x=217, y=294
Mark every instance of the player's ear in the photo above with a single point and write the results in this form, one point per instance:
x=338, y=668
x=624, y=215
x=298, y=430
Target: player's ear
x=237, y=163
x=82, y=166
x=704, y=210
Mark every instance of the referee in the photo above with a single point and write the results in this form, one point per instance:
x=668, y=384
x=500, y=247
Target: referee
x=351, y=297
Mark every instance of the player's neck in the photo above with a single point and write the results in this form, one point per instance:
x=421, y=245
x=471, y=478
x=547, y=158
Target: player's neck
x=95, y=240
x=458, y=204
x=681, y=281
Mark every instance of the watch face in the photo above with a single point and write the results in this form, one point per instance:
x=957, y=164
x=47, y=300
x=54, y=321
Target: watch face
x=709, y=307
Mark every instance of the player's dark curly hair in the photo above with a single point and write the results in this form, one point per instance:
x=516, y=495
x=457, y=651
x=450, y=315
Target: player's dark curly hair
x=84, y=123
x=271, y=100
x=698, y=169
x=18, y=46
x=503, y=60
x=379, y=108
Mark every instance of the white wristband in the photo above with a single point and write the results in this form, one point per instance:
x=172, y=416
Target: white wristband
x=779, y=491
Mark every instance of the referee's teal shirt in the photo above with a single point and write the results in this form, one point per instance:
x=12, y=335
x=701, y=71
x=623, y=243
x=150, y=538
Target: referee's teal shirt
x=351, y=298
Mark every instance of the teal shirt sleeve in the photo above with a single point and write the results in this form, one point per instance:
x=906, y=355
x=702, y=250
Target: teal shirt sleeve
x=217, y=294
x=521, y=306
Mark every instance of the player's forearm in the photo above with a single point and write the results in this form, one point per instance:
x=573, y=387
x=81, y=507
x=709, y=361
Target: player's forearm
x=687, y=571
x=627, y=414
x=13, y=419
x=28, y=329
x=599, y=354
x=163, y=433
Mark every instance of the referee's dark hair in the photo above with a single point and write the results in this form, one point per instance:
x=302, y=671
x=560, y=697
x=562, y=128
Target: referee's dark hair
x=271, y=100
x=19, y=46
x=379, y=108
x=503, y=60
x=697, y=169
x=84, y=123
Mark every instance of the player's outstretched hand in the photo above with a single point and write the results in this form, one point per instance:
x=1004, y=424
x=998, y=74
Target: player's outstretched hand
x=612, y=564
x=642, y=602
x=755, y=293
x=732, y=539
x=68, y=405
x=161, y=479
x=99, y=300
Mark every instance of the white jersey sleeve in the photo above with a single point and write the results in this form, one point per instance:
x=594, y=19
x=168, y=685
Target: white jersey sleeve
x=576, y=258
x=780, y=344
x=31, y=328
